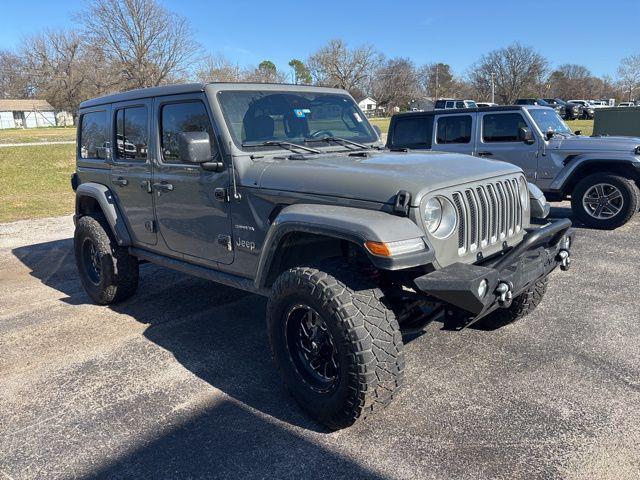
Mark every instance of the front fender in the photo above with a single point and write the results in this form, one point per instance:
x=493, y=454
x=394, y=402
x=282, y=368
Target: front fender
x=616, y=161
x=109, y=208
x=355, y=225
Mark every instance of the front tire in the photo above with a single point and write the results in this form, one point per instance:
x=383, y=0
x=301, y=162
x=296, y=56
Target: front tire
x=107, y=272
x=604, y=200
x=356, y=343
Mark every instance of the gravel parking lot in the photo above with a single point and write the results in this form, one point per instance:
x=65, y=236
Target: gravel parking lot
x=178, y=383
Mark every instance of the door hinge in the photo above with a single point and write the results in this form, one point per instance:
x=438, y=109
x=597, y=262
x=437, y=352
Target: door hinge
x=221, y=194
x=150, y=226
x=225, y=241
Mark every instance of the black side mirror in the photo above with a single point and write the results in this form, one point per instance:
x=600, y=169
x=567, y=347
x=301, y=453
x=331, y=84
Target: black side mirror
x=578, y=132
x=549, y=134
x=194, y=147
x=525, y=135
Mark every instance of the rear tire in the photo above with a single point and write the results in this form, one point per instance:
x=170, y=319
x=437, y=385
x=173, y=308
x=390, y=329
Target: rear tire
x=368, y=352
x=600, y=185
x=520, y=307
x=107, y=272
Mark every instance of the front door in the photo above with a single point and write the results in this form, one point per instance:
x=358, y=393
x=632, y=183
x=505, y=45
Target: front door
x=192, y=219
x=499, y=140
x=131, y=168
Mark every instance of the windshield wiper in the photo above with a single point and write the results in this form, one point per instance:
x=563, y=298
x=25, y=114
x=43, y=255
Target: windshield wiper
x=277, y=143
x=342, y=141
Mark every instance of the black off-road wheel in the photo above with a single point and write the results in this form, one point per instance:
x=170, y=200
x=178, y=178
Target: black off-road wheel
x=107, y=272
x=520, y=307
x=605, y=200
x=336, y=345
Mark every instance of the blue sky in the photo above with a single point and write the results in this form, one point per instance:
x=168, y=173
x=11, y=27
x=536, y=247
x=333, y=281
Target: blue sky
x=455, y=32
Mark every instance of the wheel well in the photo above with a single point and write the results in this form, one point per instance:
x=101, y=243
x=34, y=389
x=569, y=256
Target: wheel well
x=302, y=248
x=87, y=205
x=617, y=168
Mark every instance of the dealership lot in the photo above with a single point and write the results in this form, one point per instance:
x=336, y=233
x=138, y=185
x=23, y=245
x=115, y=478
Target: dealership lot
x=178, y=381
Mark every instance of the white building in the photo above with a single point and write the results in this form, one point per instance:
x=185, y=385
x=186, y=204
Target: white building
x=26, y=114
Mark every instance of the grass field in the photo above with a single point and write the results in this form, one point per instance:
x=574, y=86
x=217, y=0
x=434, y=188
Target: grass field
x=585, y=125
x=26, y=135
x=34, y=181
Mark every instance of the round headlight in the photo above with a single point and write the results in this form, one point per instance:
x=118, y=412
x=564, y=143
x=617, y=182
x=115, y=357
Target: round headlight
x=524, y=193
x=432, y=214
x=440, y=217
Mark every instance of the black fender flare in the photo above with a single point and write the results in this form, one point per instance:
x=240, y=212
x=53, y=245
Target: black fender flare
x=624, y=166
x=355, y=225
x=109, y=208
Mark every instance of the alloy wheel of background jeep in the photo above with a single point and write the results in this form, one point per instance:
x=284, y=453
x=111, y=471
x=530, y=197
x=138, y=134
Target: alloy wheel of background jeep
x=107, y=272
x=604, y=200
x=361, y=347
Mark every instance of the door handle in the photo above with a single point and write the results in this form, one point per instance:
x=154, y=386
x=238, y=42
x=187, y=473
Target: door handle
x=123, y=182
x=484, y=154
x=163, y=187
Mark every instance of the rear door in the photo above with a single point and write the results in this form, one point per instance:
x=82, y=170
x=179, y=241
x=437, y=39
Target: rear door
x=411, y=131
x=131, y=169
x=499, y=140
x=192, y=218
x=454, y=133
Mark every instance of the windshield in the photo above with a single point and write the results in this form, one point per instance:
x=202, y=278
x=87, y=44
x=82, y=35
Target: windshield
x=295, y=117
x=549, y=121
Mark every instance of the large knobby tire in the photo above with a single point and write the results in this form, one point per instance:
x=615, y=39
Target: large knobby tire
x=521, y=306
x=367, y=362
x=107, y=272
x=599, y=185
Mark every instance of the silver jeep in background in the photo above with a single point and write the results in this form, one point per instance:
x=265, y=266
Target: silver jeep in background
x=286, y=191
x=600, y=175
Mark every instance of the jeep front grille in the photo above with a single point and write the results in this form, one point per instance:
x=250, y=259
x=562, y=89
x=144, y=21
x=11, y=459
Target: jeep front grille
x=487, y=214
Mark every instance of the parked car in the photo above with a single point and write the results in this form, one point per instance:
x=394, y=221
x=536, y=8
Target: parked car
x=627, y=104
x=486, y=104
x=542, y=103
x=448, y=103
x=571, y=111
x=286, y=191
x=588, y=110
x=599, y=174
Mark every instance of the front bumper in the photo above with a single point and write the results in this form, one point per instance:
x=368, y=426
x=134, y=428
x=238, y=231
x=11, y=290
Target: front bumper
x=506, y=276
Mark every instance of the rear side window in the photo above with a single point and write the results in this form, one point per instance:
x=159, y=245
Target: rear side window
x=439, y=104
x=502, y=127
x=182, y=117
x=132, y=137
x=94, y=135
x=459, y=104
x=450, y=104
x=454, y=129
x=413, y=132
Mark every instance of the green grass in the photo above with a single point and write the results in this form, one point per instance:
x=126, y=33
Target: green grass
x=46, y=134
x=34, y=181
x=585, y=125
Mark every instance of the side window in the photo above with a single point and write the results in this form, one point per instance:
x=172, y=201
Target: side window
x=454, y=129
x=176, y=118
x=94, y=135
x=460, y=105
x=132, y=137
x=413, y=132
x=449, y=105
x=502, y=127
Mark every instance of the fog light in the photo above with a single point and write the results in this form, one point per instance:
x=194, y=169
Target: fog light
x=482, y=288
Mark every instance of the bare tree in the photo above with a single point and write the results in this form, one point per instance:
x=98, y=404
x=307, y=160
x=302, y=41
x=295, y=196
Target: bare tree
x=629, y=75
x=63, y=69
x=338, y=66
x=516, y=70
x=14, y=82
x=144, y=42
x=218, y=68
x=395, y=83
x=266, y=72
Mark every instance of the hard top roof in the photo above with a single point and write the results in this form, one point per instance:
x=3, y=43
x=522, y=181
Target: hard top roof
x=453, y=111
x=201, y=87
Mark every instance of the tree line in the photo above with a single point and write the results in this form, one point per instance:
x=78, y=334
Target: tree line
x=124, y=44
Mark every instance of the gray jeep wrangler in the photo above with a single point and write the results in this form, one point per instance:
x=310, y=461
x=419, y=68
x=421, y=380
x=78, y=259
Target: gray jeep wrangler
x=286, y=191
x=599, y=174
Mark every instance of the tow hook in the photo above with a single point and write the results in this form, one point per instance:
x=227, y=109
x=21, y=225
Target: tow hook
x=565, y=260
x=503, y=289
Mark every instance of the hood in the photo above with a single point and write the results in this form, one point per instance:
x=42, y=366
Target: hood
x=380, y=176
x=582, y=144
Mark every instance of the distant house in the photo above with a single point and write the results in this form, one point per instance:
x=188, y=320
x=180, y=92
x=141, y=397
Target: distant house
x=368, y=104
x=26, y=114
